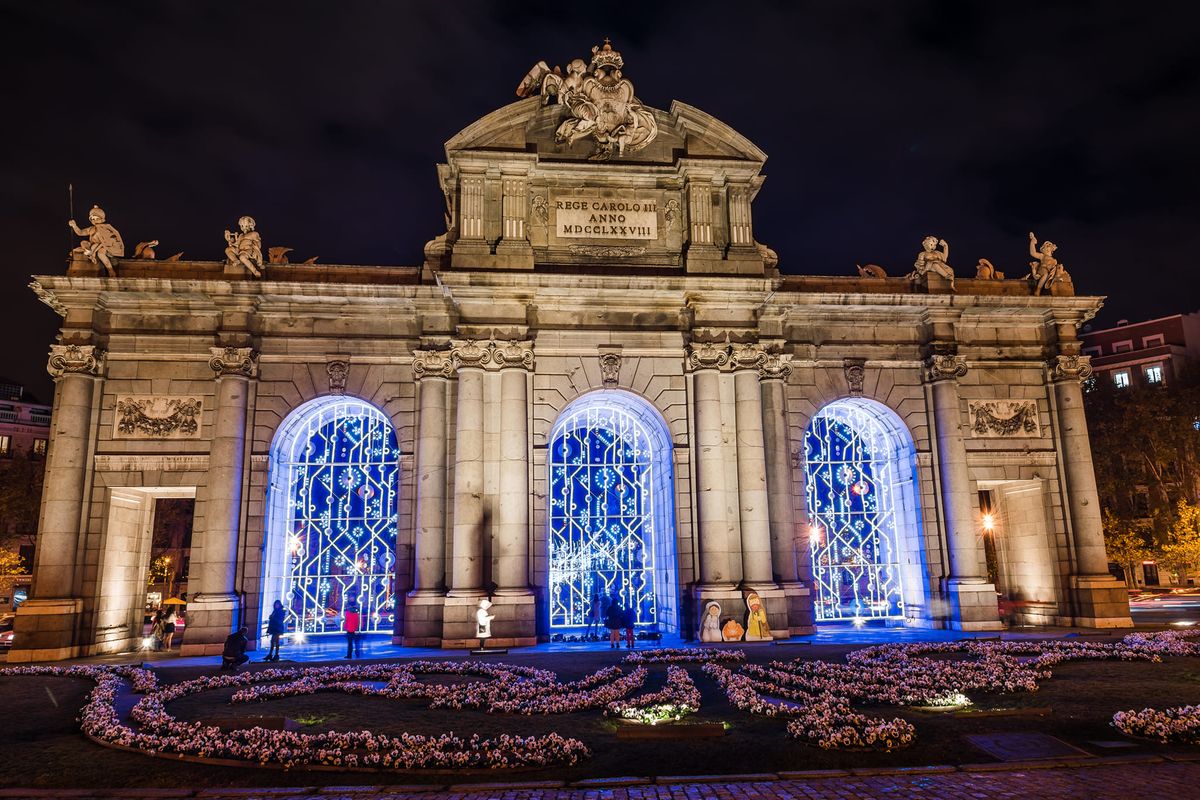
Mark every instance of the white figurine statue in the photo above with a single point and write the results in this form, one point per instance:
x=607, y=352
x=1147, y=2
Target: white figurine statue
x=931, y=259
x=710, y=623
x=103, y=241
x=483, y=620
x=245, y=247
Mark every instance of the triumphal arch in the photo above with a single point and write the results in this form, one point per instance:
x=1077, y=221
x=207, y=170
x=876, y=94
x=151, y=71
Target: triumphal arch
x=598, y=384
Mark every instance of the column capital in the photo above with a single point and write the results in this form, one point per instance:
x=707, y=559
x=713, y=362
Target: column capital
x=239, y=362
x=707, y=355
x=470, y=353
x=432, y=364
x=749, y=356
x=75, y=359
x=941, y=367
x=776, y=367
x=1070, y=368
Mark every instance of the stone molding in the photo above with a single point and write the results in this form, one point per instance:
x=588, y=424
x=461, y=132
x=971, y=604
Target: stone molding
x=337, y=370
x=992, y=419
x=75, y=359
x=855, y=370
x=1071, y=368
x=157, y=417
x=494, y=355
x=137, y=462
x=749, y=356
x=432, y=364
x=941, y=367
x=49, y=298
x=610, y=368
x=239, y=362
x=776, y=367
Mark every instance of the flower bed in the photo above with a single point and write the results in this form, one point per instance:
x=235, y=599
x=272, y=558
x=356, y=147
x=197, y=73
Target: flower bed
x=678, y=698
x=684, y=655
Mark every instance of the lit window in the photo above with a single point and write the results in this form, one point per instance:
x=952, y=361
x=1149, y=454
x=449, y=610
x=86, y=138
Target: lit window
x=1121, y=380
x=39, y=447
x=5, y=445
x=1154, y=374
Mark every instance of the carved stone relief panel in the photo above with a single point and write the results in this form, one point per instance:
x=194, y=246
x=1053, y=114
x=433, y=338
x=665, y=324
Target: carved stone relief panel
x=157, y=417
x=995, y=419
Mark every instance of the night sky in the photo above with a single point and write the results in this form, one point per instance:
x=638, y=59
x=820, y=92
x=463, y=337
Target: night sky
x=883, y=122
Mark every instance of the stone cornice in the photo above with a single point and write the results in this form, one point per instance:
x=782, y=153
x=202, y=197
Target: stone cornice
x=1070, y=368
x=233, y=361
x=75, y=359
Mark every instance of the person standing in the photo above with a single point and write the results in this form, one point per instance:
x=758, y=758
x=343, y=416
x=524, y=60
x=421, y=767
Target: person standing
x=352, y=624
x=156, y=628
x=627, y=624
x=169, y=628
x=613, y=619
x=276, y=627
x=593, y=626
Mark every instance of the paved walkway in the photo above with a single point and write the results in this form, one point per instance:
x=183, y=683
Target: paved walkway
x=1102, y=779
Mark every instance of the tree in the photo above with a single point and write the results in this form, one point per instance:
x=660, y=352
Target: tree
x=1181, y=553
x=1146, y=451
x=21, y=480
x=1126, y=544
x=162, y=570
x=11, y=562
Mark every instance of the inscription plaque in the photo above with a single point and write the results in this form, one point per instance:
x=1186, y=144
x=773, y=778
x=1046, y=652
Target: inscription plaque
x=627, y=217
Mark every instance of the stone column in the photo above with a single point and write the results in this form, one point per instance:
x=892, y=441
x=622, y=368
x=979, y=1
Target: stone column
x=512, y=514
x=785, y=528
x=423, y=606
x=1101, y=600
x=466, y=568
x=752, y=468
x=972, y=598
x=46, y=625
x=214, y=608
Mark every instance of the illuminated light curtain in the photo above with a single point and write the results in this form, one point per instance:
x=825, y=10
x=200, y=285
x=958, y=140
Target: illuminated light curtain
x=340, y=471
x=602, y=512
x=854, y=460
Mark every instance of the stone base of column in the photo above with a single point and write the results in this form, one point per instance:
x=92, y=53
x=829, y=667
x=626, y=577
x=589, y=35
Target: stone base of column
x=210, y=620
x=46, y=630
x=1101, y=601
x=512, y=254
x=423, y=619
x=972, y=605
x=514, y=624
x=801, y=619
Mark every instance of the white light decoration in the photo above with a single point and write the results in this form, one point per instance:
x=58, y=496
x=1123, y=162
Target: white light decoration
x=336, y=530
x=854, y=462
x=605, y=501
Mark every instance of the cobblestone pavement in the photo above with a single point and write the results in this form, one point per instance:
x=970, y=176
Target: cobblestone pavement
x=1124, y=778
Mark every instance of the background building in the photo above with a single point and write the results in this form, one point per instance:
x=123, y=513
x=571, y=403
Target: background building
x=1144, y=353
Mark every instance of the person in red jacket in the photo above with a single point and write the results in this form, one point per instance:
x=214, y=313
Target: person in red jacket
x=353, y=622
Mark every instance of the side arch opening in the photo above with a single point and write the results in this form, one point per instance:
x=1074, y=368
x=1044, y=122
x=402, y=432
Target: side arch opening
x=865, y=523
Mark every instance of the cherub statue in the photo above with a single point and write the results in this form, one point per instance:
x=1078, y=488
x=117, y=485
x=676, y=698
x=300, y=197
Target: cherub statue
x=1044, y=271
x=483, y=620
x=930, y=259
x=103, y=242
x=245, y=248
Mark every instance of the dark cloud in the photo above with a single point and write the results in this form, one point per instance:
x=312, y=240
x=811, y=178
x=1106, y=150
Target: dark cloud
x=883, y=121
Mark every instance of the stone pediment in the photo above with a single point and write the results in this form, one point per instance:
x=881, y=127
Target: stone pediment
x=528, y=126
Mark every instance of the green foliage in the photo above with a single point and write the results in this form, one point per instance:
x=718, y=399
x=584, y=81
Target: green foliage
x=21, y=492
x=1181, y=552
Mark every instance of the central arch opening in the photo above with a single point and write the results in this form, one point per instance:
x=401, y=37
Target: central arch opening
x=864, y=533
x=611, y=512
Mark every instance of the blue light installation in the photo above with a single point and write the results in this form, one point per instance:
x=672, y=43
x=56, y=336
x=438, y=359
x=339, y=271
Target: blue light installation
x=855, y=460
x=606, y=509
x=338, y=466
